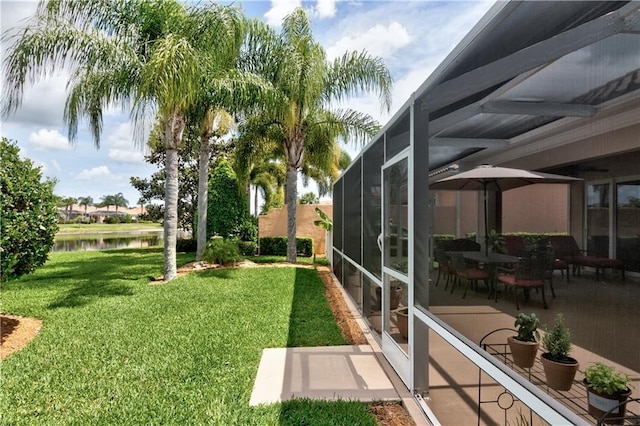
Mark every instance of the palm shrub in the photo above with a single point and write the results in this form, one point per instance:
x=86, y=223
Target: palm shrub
x=221, y=251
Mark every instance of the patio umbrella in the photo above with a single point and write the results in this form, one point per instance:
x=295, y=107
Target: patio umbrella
x=491, y=178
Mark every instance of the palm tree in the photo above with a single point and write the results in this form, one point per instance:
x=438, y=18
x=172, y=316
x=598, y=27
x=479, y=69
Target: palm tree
x=301, y=119
x=107, y=201
x=86, y=202
x=152, y=55
x=120, y=201
x=214, y=124
x=325, y=177
x=67, y=203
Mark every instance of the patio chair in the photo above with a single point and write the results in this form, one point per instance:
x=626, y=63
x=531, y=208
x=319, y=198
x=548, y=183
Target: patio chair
x=567, y=250
x=549, y=255
x=528, y=274
x=444, y=266
x=468, y=273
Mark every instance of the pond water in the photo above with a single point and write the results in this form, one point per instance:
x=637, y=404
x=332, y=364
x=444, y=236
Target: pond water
x=103, y=241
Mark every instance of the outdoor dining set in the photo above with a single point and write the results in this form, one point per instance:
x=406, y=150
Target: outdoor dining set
x=520, y=267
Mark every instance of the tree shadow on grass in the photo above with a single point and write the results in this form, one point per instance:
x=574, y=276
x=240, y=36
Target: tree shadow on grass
x=104, y=277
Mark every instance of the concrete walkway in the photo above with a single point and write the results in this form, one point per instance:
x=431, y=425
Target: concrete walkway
x=326, y=373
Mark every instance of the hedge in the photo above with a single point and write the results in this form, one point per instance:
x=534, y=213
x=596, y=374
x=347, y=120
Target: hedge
x=277, y=246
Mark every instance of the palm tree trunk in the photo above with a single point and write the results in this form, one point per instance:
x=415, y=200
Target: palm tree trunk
x=291, y=198
x=203, y=196
x=172, y=137
x=171, y=214
x=255, y=200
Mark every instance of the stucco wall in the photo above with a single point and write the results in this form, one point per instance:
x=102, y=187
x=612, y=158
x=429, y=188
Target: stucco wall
x=274, y=224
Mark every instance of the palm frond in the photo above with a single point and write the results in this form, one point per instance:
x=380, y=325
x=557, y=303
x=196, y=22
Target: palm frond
x=357, y=72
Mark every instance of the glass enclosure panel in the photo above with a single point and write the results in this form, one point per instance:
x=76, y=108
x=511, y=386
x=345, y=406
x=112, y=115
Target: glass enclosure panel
x=337, y=214
x=628, y=224
x=337, y=266
x=456, y=385
x=353, y=283
x=396, y=205
x=352, y=191
x=373, y=159
x=598, y=219
x=398, y=137
x=372, y=305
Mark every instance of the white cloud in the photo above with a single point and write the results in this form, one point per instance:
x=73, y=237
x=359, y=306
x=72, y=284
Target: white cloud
x=126, y=156
x=48, y=140
x=379, y=40
x=325, y=9
x=56, y=165
x=280, y=9
x=121, y=136
x=98, y=172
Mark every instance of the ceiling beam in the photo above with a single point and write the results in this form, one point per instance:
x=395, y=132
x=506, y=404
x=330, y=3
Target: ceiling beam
x=526, y=59
x=468, y=142
x=539, y=108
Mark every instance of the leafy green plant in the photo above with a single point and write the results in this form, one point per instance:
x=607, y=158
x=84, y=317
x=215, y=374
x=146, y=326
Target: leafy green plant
x=604, y=378
x=527, y=326
x=29, y=215
x=277, y=246
x=221, y=251
x=557, y=341
x=324, y=222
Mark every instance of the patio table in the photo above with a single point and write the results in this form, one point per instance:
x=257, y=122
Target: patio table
x=492, y=260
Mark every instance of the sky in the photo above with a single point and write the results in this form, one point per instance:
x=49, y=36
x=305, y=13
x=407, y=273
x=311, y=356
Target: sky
x=412, y=37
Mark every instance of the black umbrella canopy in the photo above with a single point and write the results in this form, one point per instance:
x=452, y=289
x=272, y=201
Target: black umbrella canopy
x=491, y=178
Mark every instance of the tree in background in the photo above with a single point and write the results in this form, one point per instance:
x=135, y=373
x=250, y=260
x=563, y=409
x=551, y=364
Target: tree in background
x=228, y=214
x=152, y=189
x=29, y=219
x=308, y=198
x=301, y=119
x=66, y=203
x=86, y=202
x=120, y=201
x=107, y=201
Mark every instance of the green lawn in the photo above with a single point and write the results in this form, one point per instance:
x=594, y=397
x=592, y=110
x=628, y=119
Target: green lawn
x=92, y=228
x=115, y=350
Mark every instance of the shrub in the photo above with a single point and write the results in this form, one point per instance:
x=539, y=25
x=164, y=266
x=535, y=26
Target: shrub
x=186, y=245
x=126, y=218
x=221, y=251
x=277, y=246
x=111, y=220
x=29, y=214
x=247, y=248
x=227, y=211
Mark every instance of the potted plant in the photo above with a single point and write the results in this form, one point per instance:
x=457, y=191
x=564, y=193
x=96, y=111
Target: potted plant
x=607, y=390
x=559, y=368
x=402, y=321
x=524, y=346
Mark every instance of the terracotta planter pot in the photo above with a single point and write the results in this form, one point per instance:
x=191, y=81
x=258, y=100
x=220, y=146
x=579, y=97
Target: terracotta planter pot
x=599, y=404
x=559, y=375
x=523, y=353
x=395, y=295
x=402, y=321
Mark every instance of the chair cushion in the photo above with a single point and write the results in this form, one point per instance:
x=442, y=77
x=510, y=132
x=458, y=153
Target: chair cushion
x=511, y=280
